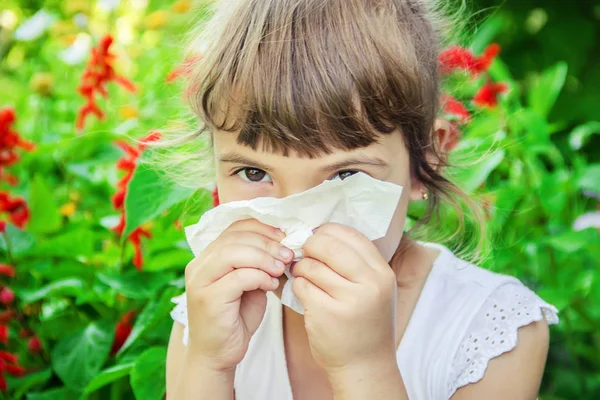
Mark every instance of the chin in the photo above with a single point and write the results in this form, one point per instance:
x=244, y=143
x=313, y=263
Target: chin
x=387, y=246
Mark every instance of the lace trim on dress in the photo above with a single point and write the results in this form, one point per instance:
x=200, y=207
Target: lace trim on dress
x=494, y=331
x=179, y=314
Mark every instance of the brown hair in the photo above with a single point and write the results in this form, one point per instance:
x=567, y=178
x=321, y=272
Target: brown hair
x=316, y=75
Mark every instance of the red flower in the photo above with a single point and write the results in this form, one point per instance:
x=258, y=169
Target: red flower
x=136, y=240
x=4, y=334
x=487, y=95
x=122, y=331
x=6, y=316
x=184, y=69
x=7, y=296
x=34, y=345
x=10, y=141
x=7, y=270
x=10, y=364
x=16, y=208
x=455, y=108
x=128, y=164
x=459, y=58
x=98, y=72
x=215, y=197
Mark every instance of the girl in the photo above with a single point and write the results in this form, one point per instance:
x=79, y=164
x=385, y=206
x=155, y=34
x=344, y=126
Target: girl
x=294, y=92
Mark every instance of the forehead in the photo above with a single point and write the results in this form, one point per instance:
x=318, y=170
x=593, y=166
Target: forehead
x=389, y=147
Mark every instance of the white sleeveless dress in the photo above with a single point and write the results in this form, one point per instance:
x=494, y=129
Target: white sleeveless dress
x=464, y=317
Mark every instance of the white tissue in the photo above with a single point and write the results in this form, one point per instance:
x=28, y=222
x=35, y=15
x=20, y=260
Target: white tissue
x=359, y=201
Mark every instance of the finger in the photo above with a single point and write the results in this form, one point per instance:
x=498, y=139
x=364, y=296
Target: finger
x=356, y=240
x=225, y=259
x=321, y=276
x=233, y=285
x=309, y=294
x=274, y=248
x=336, y=254
x=255, y=225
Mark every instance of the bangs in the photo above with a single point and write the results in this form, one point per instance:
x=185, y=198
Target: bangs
x=314, y=76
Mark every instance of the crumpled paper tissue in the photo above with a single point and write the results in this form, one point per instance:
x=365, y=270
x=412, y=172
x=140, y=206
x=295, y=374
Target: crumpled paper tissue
x=359, y=201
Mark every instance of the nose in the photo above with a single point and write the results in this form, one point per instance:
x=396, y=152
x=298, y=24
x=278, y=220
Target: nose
x=289, y=189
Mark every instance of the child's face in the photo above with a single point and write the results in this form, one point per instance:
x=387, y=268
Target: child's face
x=244, y=174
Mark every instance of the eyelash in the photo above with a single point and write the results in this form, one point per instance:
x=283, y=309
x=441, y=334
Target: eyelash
x=237, y=171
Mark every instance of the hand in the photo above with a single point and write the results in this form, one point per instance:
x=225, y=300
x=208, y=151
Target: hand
x=349, y=295
x=226, y=291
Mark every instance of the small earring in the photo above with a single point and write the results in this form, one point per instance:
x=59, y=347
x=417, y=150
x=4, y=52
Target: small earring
x=424, y=195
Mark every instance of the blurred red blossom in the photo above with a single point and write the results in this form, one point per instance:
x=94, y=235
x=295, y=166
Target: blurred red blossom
x=6, y=316
x=34, y=345
x=184, y=69
x=10, y=141
x=487, y=95
x=455, y=108
x=7, y=296
x=9, y=363
x=127, y=164
x=215, y=197
x=98, y=72
x=4, y=334
x=459, y=58
x=122, y=331
x=16, y=208
x=7, y=270
x=458, y=114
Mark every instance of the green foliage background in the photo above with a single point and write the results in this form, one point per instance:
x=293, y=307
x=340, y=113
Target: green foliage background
x=75, y=277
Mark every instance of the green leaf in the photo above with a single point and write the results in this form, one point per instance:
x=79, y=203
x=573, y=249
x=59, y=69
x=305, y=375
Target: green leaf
x=149, y=373
x=487, y=32
x=472, y=176
x=591, y=178
x=136, y=285
x=20, y=242
x=148, y=195
x=171, y=259
x=580, y=135
x=76, y=242
x=24, y=384
x=155, y=311
x=78, y=358
x=547, y=87
x=107, y=376
x=573, y=241
x=66, y=287
x=44, y=213
x=55, y=394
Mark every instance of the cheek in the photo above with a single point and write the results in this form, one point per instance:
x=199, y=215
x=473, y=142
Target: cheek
x=233, y=188
x=388, y=244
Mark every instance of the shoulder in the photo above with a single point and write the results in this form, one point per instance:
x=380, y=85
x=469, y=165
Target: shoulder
x=482, y=319
x=514, y=371
x=507, y=336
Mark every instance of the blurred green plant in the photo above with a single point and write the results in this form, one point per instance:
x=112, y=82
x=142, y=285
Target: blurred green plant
x=84, y=322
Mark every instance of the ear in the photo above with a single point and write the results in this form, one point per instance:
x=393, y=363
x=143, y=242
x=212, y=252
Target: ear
x=445, y=137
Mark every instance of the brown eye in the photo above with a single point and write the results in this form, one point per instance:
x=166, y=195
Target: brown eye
x=345, y=174
x=254, y=175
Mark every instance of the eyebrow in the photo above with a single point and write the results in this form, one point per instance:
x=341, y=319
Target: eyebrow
x=353, y=161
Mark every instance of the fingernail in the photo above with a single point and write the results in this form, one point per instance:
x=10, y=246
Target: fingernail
x=285, y=252
x=279, y=264
x=275, y=281
x=292, y=267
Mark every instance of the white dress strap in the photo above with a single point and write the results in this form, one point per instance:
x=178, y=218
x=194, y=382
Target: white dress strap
x=494, y=331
